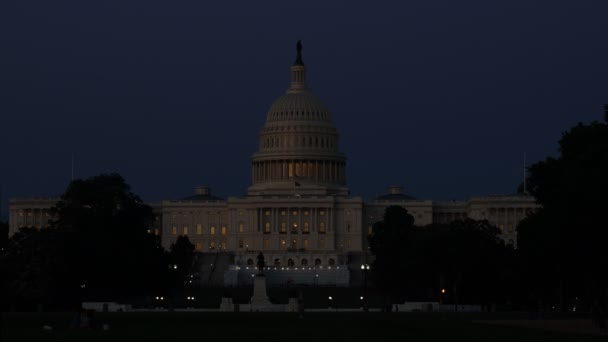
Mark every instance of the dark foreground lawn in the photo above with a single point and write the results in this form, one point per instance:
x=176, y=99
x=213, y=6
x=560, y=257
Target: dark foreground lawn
x=314, y=327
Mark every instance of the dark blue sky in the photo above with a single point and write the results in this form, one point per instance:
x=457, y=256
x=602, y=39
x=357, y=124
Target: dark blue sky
x=440, y=96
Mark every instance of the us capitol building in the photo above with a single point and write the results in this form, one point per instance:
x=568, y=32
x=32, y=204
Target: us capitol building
x=298, y=209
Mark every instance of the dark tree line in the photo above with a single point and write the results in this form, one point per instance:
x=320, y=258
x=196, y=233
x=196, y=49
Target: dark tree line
x=564, y=243
x=562, y=253
x=460, y=262
x=99, y=246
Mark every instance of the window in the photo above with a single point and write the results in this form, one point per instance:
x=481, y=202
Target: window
x=306, y=228
x=266, y=244
x=306, y=213
x=369, y=230
x=283, y=244
x=174, y=230
x=305, y=244
x=294, y=228
x=241, y=243
x=304, y=262
x=348, y=227
x=277, y=262
x=156, y=231
x=250, y=262
x=294, y=213
x=294, y=244
x=331, y=262
x=223, y=245
x=241, y=227
x=199, y=246
x=283, y=213
x=510, y=228
x=322, y=227
x=322, y=213
x=199, y=229
x=224, y=230
x=241, y=213
x=212, y=230
x=267, y=213
x=267, y=228
x=317, y=262
x=212, y=244
x=348, y=243
x=283, y=227
x=290, y=262
x=321, y=243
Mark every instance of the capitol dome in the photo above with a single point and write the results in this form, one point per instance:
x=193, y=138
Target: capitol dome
x=298, y=144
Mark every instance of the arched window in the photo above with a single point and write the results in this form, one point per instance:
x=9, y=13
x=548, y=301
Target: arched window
x=277, y=262
x=317, y=262
x=290, y=262
x=304, y=262
x=249, y=262
x=331, y=262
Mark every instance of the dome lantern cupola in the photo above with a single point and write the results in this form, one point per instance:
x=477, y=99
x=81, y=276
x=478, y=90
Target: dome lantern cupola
x=298, y=72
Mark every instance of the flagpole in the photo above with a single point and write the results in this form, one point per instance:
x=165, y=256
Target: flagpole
x=525, y=175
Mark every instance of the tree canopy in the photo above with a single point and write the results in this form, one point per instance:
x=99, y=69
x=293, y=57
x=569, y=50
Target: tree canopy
x=565, y=240
x=389, y=242
x=181, y=255
x=467, y=259
x=3, y=234
x=98, y=247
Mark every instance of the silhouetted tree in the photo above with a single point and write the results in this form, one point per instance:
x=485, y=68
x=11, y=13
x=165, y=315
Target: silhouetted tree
x=467, y=258
x=109, y=249
x=3, y=234
x=388, y=242
x=564, y=243
x=182, y=255
x=34, y=269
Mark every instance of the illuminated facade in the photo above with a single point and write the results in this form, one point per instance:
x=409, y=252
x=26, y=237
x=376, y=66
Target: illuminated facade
x=298, y=209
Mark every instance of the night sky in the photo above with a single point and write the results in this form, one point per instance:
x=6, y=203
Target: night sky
x=440, y=96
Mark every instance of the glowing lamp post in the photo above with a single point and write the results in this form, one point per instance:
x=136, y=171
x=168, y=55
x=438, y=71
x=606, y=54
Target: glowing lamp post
x=365, y=269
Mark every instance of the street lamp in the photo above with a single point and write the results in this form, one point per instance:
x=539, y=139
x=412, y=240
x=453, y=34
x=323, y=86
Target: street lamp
x=365, y=268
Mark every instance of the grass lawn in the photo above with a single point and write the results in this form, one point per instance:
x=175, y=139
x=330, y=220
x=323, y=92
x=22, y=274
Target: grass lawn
x=316, y=327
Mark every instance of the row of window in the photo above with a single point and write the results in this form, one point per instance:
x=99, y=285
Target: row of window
x=321, y=170
x=31, y=213
x=291, y=141
x=283, y=244
x=291, y=262
x=290, y=114
x=294, y=228
x=305, y=212
x=267, y=229
x=212, y=230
